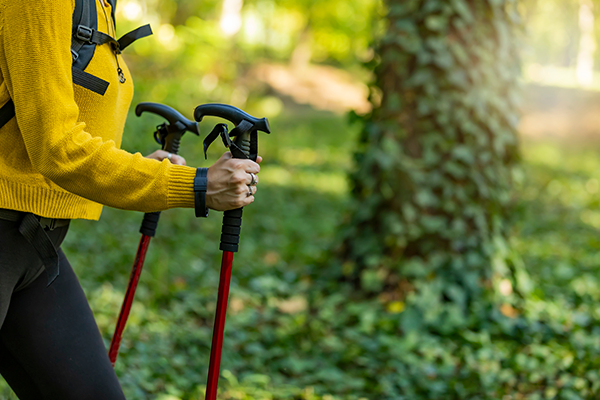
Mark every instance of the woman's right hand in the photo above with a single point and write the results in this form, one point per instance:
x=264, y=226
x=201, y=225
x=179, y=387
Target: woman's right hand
x=229, y=182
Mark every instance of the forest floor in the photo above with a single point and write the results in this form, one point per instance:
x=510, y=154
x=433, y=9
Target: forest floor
x=287, y=235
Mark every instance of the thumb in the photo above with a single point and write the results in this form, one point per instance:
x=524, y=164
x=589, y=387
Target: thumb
x=226, y=156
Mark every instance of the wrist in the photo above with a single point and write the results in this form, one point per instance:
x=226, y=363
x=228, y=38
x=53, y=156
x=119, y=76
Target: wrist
x=200, y=186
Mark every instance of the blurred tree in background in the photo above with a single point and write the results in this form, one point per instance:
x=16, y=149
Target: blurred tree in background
x=435, y=166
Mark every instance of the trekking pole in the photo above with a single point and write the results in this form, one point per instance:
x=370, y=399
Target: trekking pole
x=244, y=145
x=169, y=137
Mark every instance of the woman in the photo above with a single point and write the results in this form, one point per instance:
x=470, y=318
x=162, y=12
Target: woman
x=60, y=160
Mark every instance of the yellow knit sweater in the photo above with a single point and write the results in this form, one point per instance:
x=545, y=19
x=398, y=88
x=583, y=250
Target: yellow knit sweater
x=60, y=156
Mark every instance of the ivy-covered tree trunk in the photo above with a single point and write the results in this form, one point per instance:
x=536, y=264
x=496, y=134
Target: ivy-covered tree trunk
x=435, y=164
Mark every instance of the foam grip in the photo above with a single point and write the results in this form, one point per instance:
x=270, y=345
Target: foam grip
x=230, y=233
x=149, y=224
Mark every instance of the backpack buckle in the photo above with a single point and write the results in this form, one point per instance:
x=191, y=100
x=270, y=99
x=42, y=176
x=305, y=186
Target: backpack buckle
x=51, y=224
x=84, y=33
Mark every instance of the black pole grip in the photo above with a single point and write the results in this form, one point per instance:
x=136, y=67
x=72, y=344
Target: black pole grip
x=172, y=143
x=232, y=219
x=230, y=232
x=232, y=114
x=149, y=224
x=170, y=114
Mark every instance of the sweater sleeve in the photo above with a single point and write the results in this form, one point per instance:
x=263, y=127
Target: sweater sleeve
x=36, y=67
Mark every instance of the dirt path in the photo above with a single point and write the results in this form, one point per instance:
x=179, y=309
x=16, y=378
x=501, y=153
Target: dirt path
x=547, y=111
x=554, y=112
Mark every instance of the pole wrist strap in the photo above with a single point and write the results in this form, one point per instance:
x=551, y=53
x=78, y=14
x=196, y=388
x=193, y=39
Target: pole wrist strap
x=200, y=185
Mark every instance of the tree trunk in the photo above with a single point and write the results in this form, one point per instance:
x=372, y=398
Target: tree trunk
x=432, y=184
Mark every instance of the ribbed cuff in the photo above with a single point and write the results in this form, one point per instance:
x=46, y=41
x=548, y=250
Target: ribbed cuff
x=181, y=187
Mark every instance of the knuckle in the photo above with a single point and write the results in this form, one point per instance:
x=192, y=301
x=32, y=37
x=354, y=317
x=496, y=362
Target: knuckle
x=237, y=164
x=238, y=178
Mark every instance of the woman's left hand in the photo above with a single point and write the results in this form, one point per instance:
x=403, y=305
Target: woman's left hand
x=161, y=155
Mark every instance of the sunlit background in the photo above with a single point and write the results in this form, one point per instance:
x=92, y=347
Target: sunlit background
x=250, y=53
x=305, y=64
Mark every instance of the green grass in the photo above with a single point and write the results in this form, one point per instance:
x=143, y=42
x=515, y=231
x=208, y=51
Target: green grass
x=287, y=340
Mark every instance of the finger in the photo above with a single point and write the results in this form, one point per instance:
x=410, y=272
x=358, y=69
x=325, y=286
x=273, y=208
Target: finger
x=249, y=181
x=259, y=159
x=248, y=191
x=249, y=200
x=178, y=160
x=251, y=166
x=161, y=155
x=156, y=155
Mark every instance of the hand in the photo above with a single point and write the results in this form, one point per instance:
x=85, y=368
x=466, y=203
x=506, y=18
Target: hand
x=229, y=183
x=161, y=155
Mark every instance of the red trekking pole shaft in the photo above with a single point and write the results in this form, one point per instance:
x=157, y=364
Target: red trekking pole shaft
x=169, y=136
x=134, y=278
x=219, y=328
x=230, y=236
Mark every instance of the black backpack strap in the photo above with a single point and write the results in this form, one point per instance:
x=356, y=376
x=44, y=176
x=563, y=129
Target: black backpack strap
x=85, y=38
x=113, y=7
x=89, y=81
x=84, y=15
x=35, y=234
x=134, y=35
x=86, y=35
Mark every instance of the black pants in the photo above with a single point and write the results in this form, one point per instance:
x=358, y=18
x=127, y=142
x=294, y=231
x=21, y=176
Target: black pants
x=50, y=345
